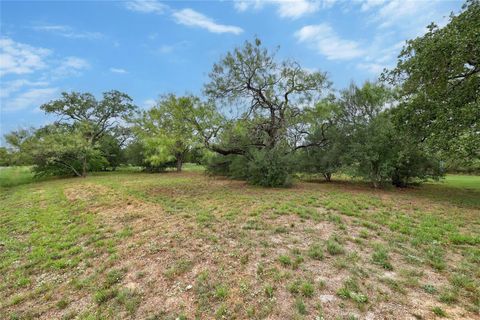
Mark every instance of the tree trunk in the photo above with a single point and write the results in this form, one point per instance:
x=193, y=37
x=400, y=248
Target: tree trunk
x=328, y=176
x=84, y=167
x=179, y=163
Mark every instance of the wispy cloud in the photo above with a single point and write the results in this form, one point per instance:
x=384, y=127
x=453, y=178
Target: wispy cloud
x=71, y=66
x=192, y=18
x=30, y=98
x=369, y=4
x=379, y=55
x=118, y=70
x=371, y=67
x=292, y=9
x=297, y=9
x=149, y=103
x=20, y=58
x=325, y=41
x=29, y=74
x=10, y=87
x=408, y=17
x=146, y=6
x=68, y=32
x=164, y=49
x=187, y=16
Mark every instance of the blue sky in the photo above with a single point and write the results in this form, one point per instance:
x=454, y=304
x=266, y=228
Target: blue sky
x=148, y=48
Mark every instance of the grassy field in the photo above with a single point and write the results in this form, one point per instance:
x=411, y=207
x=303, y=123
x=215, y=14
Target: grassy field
x=130, y=245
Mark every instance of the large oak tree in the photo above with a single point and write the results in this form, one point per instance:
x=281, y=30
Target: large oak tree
x=439, y=79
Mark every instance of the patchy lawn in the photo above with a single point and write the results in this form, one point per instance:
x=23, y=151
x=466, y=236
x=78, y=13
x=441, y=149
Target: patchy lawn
x=188, y=246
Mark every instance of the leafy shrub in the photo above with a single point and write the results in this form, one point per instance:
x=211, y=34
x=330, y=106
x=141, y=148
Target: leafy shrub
x=270, y=168
x=267, y=168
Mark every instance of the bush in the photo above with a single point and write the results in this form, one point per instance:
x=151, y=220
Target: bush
x=267, y=168
x=270, y=168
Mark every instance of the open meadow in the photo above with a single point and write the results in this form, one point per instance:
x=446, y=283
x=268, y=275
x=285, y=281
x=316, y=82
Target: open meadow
x=132, y=245
x=242, y=159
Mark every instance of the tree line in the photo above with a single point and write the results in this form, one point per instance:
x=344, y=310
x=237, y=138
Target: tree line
x=263, y=119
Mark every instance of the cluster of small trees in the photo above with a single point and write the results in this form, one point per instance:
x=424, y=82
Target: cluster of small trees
x=263, y=120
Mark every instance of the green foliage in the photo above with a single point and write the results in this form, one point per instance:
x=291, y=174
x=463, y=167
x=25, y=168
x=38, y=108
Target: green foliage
x=438, y=77
x=262, y=167
x=165, y=131
x=377, y=150
x=61, y=150
x=5, y=157
x=86, y=137
x=269, y=168
x=326, y=139
x=110, y=147
x=134, y=153
x=269, y=123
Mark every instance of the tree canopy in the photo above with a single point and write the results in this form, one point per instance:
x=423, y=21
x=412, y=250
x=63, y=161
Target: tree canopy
x=266, y=120
x=166, y=133
x=265, y=96
x=438, y=77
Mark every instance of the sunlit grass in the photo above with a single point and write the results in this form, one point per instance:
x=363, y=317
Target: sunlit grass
x=233, y=249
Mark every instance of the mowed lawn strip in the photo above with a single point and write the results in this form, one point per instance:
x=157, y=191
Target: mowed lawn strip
x=166, y=246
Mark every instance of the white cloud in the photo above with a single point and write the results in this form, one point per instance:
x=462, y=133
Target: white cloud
x=292, y=9
x=244, y=5
x=71, y=66
x=193, y=18
x=169, y=48
x=30, y=98
x=396, y=10
x=296, y=9
x=380, y=54
x=19, y=58
x=369, y=4
x=118, y=70
x=68, y=32
x=323, y=38
x=371, y=67
x=17, y=91
x=10, y=87
x=166, y=49
x=146, y=6
x=149, y=103
x=408, y=17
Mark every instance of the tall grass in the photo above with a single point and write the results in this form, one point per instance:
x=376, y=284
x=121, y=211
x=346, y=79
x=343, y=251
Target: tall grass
x=14, y=176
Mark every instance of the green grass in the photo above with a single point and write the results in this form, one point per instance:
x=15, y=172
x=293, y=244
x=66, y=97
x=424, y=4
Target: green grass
x=15, y=176
x=462, y=181
x=114, y=244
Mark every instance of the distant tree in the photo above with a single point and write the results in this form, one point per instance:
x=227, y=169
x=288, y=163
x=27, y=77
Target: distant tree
x=5, y=157
x=60, y=150
x=19, y=147
x=91, y=119
x=439, y=79
x=53, y=150
x=166, y=132
x=134, y=153
x=111, y=149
